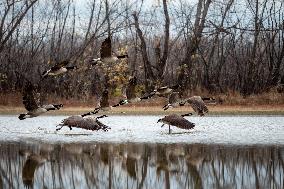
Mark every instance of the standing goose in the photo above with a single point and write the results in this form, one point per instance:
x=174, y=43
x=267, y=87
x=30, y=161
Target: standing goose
x=177, y=121
x=106, y=54
x=32, y=103
x=58, y=68
x=81, y=121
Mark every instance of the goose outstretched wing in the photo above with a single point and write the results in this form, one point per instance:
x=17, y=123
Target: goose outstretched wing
x=30, y=97
x=130, y=89
x=198, y=105
x=174, y=98
x=179, y=121
x=106, y=48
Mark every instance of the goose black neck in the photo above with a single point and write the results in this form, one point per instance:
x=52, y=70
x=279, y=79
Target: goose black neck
x=70, y=67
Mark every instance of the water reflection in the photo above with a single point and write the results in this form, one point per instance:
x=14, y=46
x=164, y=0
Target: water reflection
x=139, y=166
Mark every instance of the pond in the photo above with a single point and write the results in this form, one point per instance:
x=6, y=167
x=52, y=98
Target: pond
x=246, y=130
x=140, y=165
x=220, y=152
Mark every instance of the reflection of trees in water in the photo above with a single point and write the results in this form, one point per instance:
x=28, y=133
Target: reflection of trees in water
x=140, y=166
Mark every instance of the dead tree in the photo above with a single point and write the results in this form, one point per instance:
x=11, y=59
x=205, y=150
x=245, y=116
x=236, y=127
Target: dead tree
x=193, y=41
x=7, y=32
x=149, y=74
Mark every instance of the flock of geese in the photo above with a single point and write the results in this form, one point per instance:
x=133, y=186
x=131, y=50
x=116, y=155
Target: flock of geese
x=31, y=98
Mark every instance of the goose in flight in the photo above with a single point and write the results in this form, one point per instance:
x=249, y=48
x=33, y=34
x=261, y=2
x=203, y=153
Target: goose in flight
x=177, y=121
x=106, y=54
x=85, y=122
x=197, y=103
x=130, y=93
x=164, y=91
x=58, y=68
x=32, y=103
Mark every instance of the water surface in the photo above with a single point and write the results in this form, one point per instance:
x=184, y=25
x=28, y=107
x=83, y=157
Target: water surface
x=220, y=152
x=235, y=130
x=140, y=165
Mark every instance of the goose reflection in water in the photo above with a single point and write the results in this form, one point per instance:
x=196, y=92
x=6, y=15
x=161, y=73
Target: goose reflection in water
x=31, y=164
x=134, y=165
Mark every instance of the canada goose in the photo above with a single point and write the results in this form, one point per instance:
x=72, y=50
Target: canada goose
x=131, y=96
x=197, y=105
x=165, y=91
x=177, y=120
x=32, y=104
x=174, y=101
x=106, y=54
x=196, y=102
x=104, y=102
x=32, y=163
x=131, y=90
x=81, y=121
x=58, y=68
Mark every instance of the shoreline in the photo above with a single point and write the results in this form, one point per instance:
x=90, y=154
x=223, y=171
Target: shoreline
x=157, y=110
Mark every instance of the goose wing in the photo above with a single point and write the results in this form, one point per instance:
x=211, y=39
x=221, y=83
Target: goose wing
x=104, y=102
x=130, y=90
x=198, y=105
x=90, y=123
x=179, y=121
x=59, y=65
x=174, y=98
x=106, y=48
x=30, y=97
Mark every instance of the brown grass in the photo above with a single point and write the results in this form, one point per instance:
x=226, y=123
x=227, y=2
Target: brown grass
x=268, y=103
x=157, y=110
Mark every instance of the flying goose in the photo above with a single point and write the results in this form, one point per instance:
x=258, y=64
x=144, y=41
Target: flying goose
x=196, y=102
x=32, y=104
x=177, y=121
x=131, y=95
x=131, y=90
x=81, y=121
x=164, y=91
x=58, y=68
x=174, y=101
x=106, y=54
x=104, y=101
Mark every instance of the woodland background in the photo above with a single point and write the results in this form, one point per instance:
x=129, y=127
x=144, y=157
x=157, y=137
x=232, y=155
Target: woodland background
x=216, y=47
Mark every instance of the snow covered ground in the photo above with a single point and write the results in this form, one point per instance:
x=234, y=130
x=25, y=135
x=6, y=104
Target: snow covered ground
x=231, y=130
